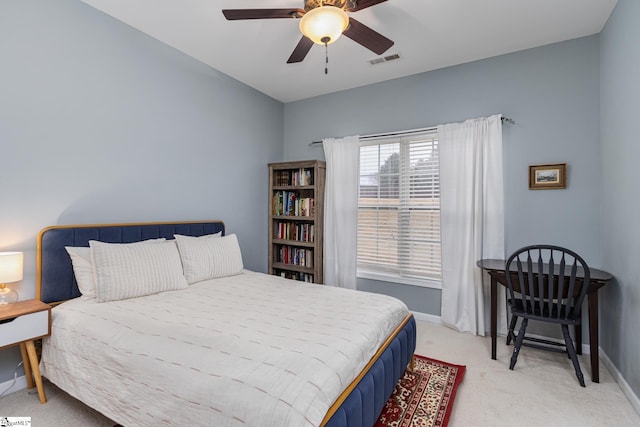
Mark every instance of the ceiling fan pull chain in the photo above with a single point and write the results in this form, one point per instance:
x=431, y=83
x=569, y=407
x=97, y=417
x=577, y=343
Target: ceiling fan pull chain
x=326, y=57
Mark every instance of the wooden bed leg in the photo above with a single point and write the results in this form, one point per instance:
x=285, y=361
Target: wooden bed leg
x=412, y=363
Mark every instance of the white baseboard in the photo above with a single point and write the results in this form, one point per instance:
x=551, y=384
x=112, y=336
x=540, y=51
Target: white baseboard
x=427, y=317
x=21, y=383
x=624, y=385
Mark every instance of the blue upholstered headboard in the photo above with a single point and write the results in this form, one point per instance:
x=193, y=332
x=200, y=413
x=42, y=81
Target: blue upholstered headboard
x=55, y=281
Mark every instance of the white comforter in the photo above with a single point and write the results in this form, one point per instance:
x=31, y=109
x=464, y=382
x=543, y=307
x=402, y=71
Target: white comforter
x=246, y=350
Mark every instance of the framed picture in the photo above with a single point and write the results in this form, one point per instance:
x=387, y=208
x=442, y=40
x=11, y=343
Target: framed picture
x=542, y=177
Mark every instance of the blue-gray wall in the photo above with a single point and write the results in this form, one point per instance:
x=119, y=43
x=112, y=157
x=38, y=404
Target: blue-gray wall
x=552, y=92
x=620, y=108
x=101, y=123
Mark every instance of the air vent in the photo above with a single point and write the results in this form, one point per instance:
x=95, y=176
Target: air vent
x=382, y=59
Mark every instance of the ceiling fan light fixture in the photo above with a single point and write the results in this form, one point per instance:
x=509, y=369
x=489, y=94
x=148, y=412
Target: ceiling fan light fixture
x=324, y=24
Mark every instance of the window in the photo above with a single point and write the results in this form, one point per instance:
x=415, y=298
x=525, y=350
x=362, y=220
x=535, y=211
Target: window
x=399, y=210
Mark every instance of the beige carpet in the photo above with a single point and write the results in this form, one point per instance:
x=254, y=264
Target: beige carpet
x=490, y=395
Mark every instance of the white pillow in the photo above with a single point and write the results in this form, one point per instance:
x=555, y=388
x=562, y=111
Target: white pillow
x=83, y=267
x=205, y=258
x=83, y=270
x=131, y=270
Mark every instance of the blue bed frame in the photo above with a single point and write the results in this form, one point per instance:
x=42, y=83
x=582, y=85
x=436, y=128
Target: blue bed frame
x=359, y=406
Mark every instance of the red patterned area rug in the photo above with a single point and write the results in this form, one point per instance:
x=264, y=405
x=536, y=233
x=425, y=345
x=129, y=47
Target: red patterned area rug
x=424, y=396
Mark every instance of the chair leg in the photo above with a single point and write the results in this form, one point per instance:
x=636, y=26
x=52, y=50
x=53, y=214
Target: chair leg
x=572, y=354
x=512, y=326
x=519, y=339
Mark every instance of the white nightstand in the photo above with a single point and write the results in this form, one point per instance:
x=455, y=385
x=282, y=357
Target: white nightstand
x=21, y=323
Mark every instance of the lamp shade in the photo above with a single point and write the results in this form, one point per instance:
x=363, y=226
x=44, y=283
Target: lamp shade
x=11, y=267
x=324, y=23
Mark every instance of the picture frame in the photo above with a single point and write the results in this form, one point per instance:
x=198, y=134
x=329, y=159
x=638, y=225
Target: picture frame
x=543, y=177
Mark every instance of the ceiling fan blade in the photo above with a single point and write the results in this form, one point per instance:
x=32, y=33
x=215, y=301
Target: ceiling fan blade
x=235, y=14
x=301, y=50
x=372, y=40
x=362, y=4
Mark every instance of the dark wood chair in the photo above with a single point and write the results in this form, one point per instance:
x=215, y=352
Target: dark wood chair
x=542, y=286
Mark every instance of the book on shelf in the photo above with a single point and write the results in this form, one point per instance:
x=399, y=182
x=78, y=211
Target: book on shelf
x=289, y=203
x=294, y=275
x=298, y=178
x=300, y=232
x=295, y=256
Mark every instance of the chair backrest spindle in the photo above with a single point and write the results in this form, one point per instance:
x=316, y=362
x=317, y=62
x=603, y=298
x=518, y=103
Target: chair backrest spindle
x=572, y=299
x=540, y=298
x=549, y=299
x=527, y=298
x=561, y=281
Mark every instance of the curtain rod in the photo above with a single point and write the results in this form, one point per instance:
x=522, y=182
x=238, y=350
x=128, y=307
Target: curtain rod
x=407, y=132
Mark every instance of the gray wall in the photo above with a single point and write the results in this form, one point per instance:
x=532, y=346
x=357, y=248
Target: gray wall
x=620, y=106
x=553, y=94
x=101, y=123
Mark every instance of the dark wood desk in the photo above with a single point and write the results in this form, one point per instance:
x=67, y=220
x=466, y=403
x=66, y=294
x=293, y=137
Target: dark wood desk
x=599, y=278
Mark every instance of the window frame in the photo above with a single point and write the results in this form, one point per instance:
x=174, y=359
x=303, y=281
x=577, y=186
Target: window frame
x=404, y=142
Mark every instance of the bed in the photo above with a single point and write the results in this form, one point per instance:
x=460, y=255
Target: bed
x=244, y=349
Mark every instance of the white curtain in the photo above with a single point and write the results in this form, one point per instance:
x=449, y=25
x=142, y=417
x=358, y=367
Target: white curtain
x=341, y=211
x=472, y=216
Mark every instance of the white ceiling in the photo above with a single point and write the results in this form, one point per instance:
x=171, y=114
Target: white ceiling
x=428, y=34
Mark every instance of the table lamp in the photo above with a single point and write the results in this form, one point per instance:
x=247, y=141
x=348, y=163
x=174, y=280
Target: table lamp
x=10, y=271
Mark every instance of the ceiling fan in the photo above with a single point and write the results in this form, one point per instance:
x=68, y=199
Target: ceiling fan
x=322, y=22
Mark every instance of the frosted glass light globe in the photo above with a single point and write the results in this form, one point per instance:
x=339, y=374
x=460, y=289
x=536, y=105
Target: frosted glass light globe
x=324, y=23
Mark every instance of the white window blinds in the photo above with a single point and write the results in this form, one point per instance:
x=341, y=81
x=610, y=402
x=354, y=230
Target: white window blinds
x=399, y=209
